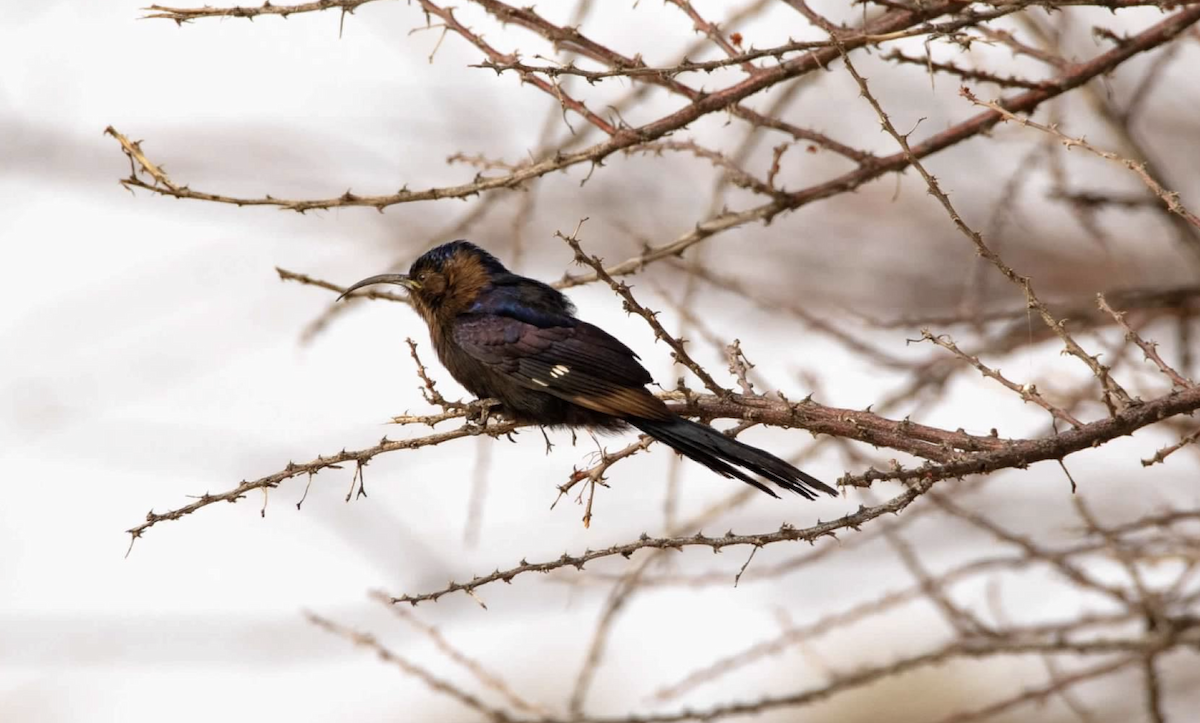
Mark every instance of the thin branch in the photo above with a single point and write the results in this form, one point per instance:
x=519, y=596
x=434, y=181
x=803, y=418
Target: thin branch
x=1169, y=198
x=1162, y=454
x=632, y=306
x=785, y=533
x=438, y=685
x=1148, y=348
x=487, y=678
x=1004, y=81
x=182, y=15
x=1028, y=392
x=359, y=457
x=553, y=89
x=285, y=275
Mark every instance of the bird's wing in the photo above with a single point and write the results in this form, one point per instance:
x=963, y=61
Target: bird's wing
x=575, y=361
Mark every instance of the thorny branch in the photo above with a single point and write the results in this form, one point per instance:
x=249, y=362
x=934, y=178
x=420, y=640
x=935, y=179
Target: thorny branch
x=1169, y=198
x=633, y=307
x=893, y=21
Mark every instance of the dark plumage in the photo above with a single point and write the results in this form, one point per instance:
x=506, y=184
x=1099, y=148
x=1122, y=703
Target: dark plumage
x=515, y=339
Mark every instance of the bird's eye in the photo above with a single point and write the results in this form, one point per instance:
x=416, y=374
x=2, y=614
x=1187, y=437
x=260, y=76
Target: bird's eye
x=422, y=276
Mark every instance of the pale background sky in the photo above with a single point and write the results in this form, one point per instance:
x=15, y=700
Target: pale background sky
x=149, y=352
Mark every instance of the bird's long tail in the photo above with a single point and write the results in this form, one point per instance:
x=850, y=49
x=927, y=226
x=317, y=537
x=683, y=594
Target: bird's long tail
x=724, y=455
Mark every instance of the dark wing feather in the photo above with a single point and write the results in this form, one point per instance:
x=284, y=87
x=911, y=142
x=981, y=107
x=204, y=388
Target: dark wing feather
x=574, y=361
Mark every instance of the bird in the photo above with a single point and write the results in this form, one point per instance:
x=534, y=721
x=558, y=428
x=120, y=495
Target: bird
x=517, y=340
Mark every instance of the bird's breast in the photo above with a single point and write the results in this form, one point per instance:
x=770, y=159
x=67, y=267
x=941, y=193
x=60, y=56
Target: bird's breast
x=472, y=374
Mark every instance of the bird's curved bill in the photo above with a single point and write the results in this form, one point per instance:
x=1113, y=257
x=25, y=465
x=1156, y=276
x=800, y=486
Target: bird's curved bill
x=401, y=279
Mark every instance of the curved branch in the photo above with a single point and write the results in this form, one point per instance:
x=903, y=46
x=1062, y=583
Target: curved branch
x=786, y=533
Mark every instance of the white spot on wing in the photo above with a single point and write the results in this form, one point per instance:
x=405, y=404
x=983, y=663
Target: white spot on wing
x=539, y=381
x=559, y=370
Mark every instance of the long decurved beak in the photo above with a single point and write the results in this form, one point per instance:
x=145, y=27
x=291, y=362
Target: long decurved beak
x=401, y=279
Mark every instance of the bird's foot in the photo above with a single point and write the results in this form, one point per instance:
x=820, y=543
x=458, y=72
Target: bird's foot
x=482, y=411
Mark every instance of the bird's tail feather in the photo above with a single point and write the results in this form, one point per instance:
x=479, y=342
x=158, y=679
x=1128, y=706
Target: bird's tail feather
x=724, y=455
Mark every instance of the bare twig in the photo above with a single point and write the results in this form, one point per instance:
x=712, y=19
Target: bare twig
x=632, y=306
x=438, y=685
x=1169, y=198
x=1149, y=348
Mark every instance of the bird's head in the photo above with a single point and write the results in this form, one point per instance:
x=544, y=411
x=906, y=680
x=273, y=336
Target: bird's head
x=445, y=280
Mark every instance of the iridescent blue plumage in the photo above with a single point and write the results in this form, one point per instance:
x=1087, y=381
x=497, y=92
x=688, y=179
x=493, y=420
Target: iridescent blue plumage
x=439, y=255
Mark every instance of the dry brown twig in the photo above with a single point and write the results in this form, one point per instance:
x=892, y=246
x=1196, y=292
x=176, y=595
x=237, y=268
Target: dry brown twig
x=487, y=678
x=285, y=275
x=385, y=654
x=1149, y=348
x=1162, y=454
x=1028, y=392
x=632, y=306
x=1169, y=198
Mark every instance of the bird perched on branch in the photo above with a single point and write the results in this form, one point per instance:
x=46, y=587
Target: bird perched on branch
x=515, y=339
